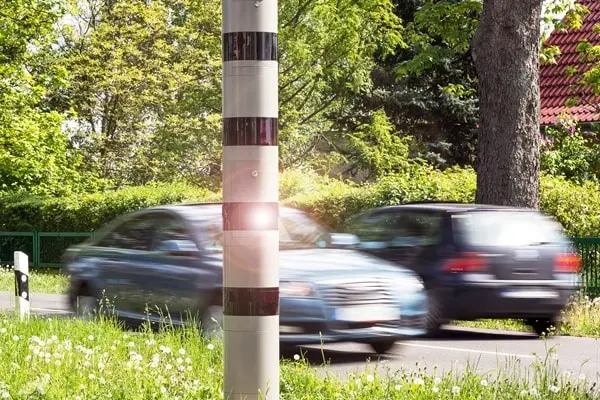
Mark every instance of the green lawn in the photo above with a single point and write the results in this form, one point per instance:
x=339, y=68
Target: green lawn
x=40, y=281
x=77, y=359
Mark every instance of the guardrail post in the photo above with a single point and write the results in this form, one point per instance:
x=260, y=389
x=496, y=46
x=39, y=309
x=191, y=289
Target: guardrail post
x=22, y=284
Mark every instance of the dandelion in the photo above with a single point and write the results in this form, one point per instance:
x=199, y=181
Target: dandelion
x=101, y=366
x=91, y=377
x=91, y=337
x=150, y=342
x=5, y=395
x=113, y=347
x=117, y=342
x=484, y=382
x=370, y=378
x=398, y=387
x=554, y=389
x=77, y=398
x=179, y=360
x=163, y=389
x=131, y=344
x=165, y=349
x=57, y=363
x=210, y=370
x=188, y=360
x=16, y=338
x=296, y=357
x=169, y=367
x=455, y=390
x=102, y=380
x=189, y=367
x=182, y=351
x=2, y=330
x=210, y=346
x=437, y=381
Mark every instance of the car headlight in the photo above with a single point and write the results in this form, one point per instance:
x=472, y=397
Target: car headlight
x=295, y=289
x=409, y=284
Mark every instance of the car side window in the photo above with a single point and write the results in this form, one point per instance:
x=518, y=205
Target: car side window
x=398, y=229
x=171, y=229
x=135, y=234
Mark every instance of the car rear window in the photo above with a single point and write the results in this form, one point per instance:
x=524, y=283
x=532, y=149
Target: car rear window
x=508, y=228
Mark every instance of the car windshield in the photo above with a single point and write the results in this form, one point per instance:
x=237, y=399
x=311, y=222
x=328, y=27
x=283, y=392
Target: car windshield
x=296, y=231
x=508, y=228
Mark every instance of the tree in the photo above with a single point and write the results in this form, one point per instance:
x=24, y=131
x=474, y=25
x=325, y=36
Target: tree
x=34, y=152
x=506, y=53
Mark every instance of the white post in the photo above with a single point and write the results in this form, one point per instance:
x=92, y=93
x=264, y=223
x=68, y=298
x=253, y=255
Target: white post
x=21, y=284
x=250, y=200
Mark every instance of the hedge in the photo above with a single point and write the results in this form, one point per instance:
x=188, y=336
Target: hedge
x=331, y=201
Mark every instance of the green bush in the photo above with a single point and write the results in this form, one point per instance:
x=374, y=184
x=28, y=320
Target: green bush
x=85, y=213
x=331, y=201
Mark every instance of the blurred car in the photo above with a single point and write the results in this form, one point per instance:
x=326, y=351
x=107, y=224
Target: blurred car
x=477, y=261
x=169, y=260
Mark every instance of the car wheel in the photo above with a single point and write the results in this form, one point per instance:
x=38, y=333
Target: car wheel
x=542, y=326
x=86, y=305
x=382, y=347
x=433, y=318
x=211, y=323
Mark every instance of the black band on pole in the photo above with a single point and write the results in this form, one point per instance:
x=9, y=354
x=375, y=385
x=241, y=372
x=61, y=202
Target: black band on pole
x=250, y=216
x=21, y=284
x=250, y=131
x=250, y=46
x=258, y=302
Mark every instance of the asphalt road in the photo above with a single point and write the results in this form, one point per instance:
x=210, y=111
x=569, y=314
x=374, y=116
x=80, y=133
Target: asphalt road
x=456, y=349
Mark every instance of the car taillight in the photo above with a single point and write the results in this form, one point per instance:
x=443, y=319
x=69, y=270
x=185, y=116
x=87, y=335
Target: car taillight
x=467, y=262
x=567, y=263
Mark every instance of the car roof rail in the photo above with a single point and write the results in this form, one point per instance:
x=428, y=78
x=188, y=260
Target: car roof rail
x=433, y=202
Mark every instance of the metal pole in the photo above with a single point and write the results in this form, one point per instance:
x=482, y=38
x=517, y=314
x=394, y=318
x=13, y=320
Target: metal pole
x=21, y=284
x=250, y=200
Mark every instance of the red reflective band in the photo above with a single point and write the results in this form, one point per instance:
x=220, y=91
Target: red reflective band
x=567, y=263
x=466, y=262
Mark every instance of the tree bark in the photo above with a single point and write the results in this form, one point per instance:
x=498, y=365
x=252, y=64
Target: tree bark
x=506, y=51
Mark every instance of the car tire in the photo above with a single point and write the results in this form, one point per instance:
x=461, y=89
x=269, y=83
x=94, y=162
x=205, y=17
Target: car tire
x=433, y=321
x=542, y=326
x=211, y=324
x=384, y=346
x=86, y=304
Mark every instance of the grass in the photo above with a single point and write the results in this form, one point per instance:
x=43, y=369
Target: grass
x=40, y=281
x=80, y=359
x=580, y=318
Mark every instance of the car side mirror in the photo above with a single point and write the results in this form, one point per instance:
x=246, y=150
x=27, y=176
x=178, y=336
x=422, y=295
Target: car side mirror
x=181, y=248
x=344, y=240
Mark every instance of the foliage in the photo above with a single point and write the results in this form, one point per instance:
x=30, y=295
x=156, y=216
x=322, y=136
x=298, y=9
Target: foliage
x=568, y=152
x=68, y=359
x=88, y=212
x=145, y=81
x=34, y=153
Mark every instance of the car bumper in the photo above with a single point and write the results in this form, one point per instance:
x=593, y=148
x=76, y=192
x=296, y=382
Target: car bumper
x=328, y=332
x=509, y=299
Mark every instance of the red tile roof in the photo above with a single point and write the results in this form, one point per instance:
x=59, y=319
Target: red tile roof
x=556, y=87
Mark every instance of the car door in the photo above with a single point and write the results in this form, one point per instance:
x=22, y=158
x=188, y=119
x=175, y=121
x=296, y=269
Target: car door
x=122, y=251
x=179, y=278
x=399, y=236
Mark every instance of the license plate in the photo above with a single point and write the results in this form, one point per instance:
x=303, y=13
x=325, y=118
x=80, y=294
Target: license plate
x=530, y=294
x=367, y=314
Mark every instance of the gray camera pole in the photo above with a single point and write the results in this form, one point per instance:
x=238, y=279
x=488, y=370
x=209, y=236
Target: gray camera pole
x=250, y=200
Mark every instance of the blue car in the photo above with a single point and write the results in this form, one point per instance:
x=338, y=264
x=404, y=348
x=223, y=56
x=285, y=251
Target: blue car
x=168, y=262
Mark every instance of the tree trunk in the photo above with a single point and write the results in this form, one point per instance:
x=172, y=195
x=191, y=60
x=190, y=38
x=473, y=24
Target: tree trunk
x=506, y=51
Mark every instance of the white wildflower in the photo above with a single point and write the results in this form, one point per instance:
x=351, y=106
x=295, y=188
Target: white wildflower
x=296, y=357
x=398, y=387
x=554, y=389
x=182, y=351
x=163, y=389
x=169, y=367
x=455, y=390
x=91, y=337
x=91, y=377
x=437, y=381
x=210, y=346
x=418, y=381
x=131, y=344
x=179, y=360
x=484, y=382
x=113, y=347
x=435, y=389
x=16, y=338
x=2, y=330
x=210, y=370
x=5, y=395
x=188, y=360
x=370, y=378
